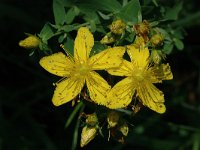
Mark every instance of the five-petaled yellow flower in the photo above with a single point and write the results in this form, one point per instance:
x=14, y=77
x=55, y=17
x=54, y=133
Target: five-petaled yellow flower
x=80, y=69
x=140, y=76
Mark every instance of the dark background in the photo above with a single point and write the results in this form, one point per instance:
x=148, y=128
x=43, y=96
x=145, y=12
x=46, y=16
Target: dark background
x=29, y=121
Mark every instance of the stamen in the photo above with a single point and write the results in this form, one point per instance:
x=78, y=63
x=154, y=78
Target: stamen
x=59, y=81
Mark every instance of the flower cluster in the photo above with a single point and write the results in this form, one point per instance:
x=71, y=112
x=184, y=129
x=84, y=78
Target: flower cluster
x=140, y=74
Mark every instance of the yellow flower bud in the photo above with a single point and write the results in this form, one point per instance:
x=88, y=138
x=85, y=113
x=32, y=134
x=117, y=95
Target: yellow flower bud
x=117, y=27
x=124, y=129
x=91, y=120
x=112, y=119
x=108, y=38
x=88, y=134
x=31, y=41
x=156, y=40
x=157, y=56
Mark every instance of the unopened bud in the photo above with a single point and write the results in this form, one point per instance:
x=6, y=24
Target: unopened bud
x=30, y=42
x=156, y=40
x=88, y=134
x=124, y=129
x=92, y=120
x=117, y=27
x=112, y=119
x=142, y=29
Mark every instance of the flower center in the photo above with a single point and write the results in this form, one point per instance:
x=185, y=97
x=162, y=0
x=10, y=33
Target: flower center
x=138, y=75
x=82, y=70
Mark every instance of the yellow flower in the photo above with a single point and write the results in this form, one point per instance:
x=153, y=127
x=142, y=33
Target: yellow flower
x=31, y=41
x=140, y=76
x=80, y=69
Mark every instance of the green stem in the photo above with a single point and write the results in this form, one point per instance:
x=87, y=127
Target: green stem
x=72, y=115
x=75, y=136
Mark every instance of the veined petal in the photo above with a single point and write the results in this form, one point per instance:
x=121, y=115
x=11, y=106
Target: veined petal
x=125, y=69
x=161, y=72
x=97, y=87
x=109, y=58
x=121, y=94
x=58, y=64
x=151, y=97
x=67, y=89
x=140, y=57
x=83, y=45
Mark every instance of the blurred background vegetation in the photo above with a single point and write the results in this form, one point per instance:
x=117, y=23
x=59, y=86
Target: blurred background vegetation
x=29, y=121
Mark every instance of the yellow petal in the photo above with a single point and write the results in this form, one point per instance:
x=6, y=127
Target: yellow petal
x=109, y=58
x=161, y=72
x=125, y=69
x=67, y=89
x=58, y=64
x=83, y=45
x=140, y=57
x=151, y=97
x=121, y=94
x=97, y=87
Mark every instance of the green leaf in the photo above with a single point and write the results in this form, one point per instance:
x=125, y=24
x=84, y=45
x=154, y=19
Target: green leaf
x=105, y=5
x=67, y=28
x=71, y=14
x=46, y=33
x=59, y=12
x=92, y=26
x=97, y=48
x=155, y=3
x=62, y=37
x=172, y=13
x=69, y=45
x=178, y=43
x=131, y=12
x=92, y=18
x=105, y=17
x=168, y=47
x=130, y=37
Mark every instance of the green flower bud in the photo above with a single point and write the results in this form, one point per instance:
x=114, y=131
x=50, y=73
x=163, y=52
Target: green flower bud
x=91, y=120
